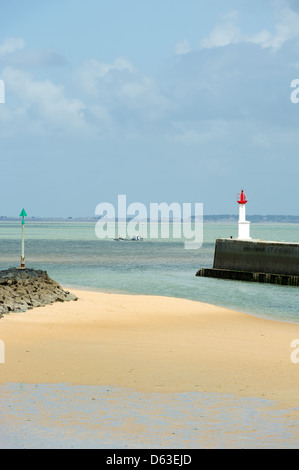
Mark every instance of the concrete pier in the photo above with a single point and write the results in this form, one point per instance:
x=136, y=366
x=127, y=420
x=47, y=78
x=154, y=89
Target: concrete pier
x=255, y=261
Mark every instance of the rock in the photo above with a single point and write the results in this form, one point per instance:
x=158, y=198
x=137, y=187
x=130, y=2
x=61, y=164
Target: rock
x=23, y=289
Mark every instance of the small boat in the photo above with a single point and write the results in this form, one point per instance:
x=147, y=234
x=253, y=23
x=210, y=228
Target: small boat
x=136, y=238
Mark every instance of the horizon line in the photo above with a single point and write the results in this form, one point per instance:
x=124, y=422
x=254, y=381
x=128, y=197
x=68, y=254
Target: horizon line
x=128, y=219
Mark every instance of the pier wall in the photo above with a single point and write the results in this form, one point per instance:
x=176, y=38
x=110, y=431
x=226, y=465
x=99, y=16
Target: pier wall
x=257, y=256
x=255, y=261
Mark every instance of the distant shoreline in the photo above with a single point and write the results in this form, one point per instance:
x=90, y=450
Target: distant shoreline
x=225, y=218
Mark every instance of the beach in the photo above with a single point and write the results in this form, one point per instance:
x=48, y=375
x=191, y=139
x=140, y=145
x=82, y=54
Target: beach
x=149, y=226
x=151, y=344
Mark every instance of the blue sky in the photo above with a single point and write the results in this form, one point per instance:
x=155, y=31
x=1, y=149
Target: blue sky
x=164, y=101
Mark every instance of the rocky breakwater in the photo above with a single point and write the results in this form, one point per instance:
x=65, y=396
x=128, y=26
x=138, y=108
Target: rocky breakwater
x=23, y=289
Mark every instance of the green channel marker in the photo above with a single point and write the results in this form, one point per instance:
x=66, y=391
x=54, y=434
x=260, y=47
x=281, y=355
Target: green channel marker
x=23, y=215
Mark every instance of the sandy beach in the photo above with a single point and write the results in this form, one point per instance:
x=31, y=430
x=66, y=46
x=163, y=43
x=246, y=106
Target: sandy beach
x=148, y=344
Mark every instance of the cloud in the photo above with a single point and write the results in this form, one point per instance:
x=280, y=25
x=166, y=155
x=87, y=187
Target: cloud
x=42, y=105
x=11, y=45
x=227, y=80
x=120, y=89
x=241, y=83
x=182, y=47
x=92, y=73
x=227, y=32
x=102, y=99
x=286, y=28
x=14, y=53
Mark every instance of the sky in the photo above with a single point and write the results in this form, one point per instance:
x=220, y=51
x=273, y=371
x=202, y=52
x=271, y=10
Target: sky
x=182, y=101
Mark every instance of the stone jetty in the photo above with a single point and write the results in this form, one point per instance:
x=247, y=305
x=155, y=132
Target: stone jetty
x=23, y=289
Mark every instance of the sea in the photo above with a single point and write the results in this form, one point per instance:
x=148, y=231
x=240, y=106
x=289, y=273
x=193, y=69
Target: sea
x=49, y=416
x=74, y=256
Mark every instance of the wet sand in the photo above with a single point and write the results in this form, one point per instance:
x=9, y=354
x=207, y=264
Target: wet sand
x=151, y=344
x=95, y=417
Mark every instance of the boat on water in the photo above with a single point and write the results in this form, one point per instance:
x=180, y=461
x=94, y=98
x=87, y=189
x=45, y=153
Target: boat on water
x=136, y=238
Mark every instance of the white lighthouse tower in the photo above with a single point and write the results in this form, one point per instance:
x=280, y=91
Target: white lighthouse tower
x=243, y=224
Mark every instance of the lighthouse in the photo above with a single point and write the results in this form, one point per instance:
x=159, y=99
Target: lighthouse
x=243, y=224
x=254, y=260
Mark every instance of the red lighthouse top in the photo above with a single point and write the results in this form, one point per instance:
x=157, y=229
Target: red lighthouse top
x=242, y=198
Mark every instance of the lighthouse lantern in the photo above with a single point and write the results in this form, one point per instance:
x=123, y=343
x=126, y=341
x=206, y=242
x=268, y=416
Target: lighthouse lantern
x=242, y=198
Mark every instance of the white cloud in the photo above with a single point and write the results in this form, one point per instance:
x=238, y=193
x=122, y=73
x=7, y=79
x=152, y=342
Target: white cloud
x=182, y=47
x=287, y=27
x=227, y=31
x=93, y=71
x=13, y=52
x=263, y=39
x=43, y=103
x=120, y=89
x=107, y=96
x=11, y=45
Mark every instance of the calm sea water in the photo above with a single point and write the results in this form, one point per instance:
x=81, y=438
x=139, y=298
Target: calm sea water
x=72, y=254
